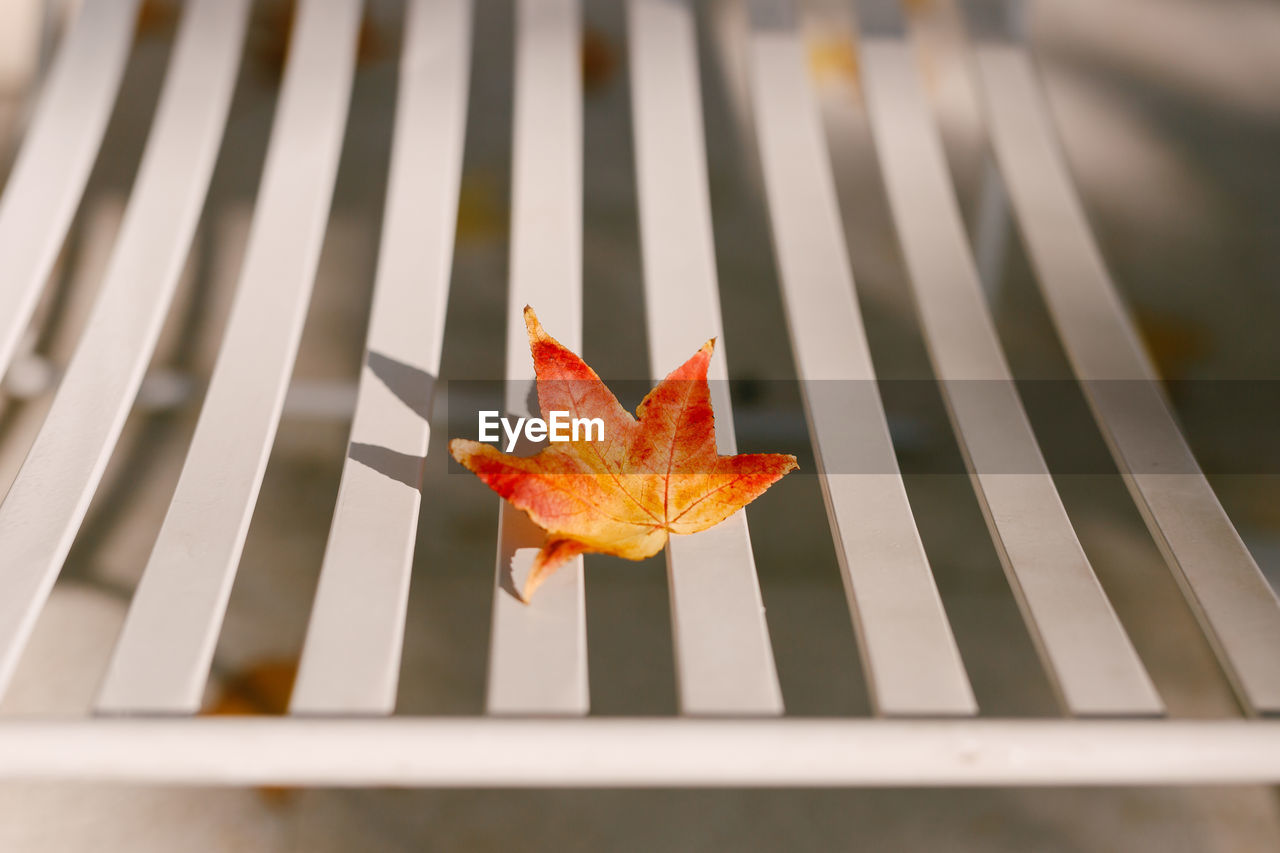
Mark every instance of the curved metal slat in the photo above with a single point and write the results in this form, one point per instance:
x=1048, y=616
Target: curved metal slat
x=1086, y=653
x=1236, y=607
x=538, y=652
x=909, y=654
x=351, y=659
x=162, y=659
x=724, y=659
x=48, y=500
x=57, y=154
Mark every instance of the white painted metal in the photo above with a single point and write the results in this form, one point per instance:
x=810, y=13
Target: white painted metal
x=351, y=660
x=538, y=651
x=161, y=661
x=44, y=507
x=724, y=660
x=1237, y=608
x=53, y=164
x=690, y=752
x=1087, y=654
x=908, y=652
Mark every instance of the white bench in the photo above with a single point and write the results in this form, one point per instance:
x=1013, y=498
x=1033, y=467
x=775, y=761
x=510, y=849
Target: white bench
x=732, y=730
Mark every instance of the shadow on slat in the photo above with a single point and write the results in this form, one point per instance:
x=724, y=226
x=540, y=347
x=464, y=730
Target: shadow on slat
x=404, y=468
x=412, y=386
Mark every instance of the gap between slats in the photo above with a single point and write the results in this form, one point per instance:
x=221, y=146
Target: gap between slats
x=162, y=659
x=48, y=500
x=538, y=653
x=1236, y=607
x=351, y=658
x=909, y=653
x=49, y=175
x=1086, y=652
x=725, y=663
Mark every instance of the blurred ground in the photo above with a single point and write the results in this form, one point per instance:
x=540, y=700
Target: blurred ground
x=1171, y=119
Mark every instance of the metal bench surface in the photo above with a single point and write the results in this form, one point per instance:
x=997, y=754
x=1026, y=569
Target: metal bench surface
x=731, y=728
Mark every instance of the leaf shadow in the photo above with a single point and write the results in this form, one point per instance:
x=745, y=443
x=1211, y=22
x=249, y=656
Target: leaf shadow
x=404, y=468
x=507, y=580
x=413, y=387
x=521, y=540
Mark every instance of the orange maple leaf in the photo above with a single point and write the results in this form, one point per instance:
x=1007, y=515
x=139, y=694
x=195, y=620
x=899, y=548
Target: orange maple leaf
x=648, y=478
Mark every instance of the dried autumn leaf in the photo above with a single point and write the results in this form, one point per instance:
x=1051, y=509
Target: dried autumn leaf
x=649, y=477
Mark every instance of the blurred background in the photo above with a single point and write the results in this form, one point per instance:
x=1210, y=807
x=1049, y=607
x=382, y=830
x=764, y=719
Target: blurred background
x=1169, y=113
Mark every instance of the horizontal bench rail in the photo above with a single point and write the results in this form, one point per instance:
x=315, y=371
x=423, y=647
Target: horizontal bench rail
x=637, y=753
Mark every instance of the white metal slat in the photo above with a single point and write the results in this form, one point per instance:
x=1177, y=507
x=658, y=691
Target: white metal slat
x=161, y=661
x=48, y=500
x=1087, y=654
x=351, y=659
x=632, y=753
x=1236, y=607
x=53, y=165
x=724, y=658
x=913, y=666
x=538, y=651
